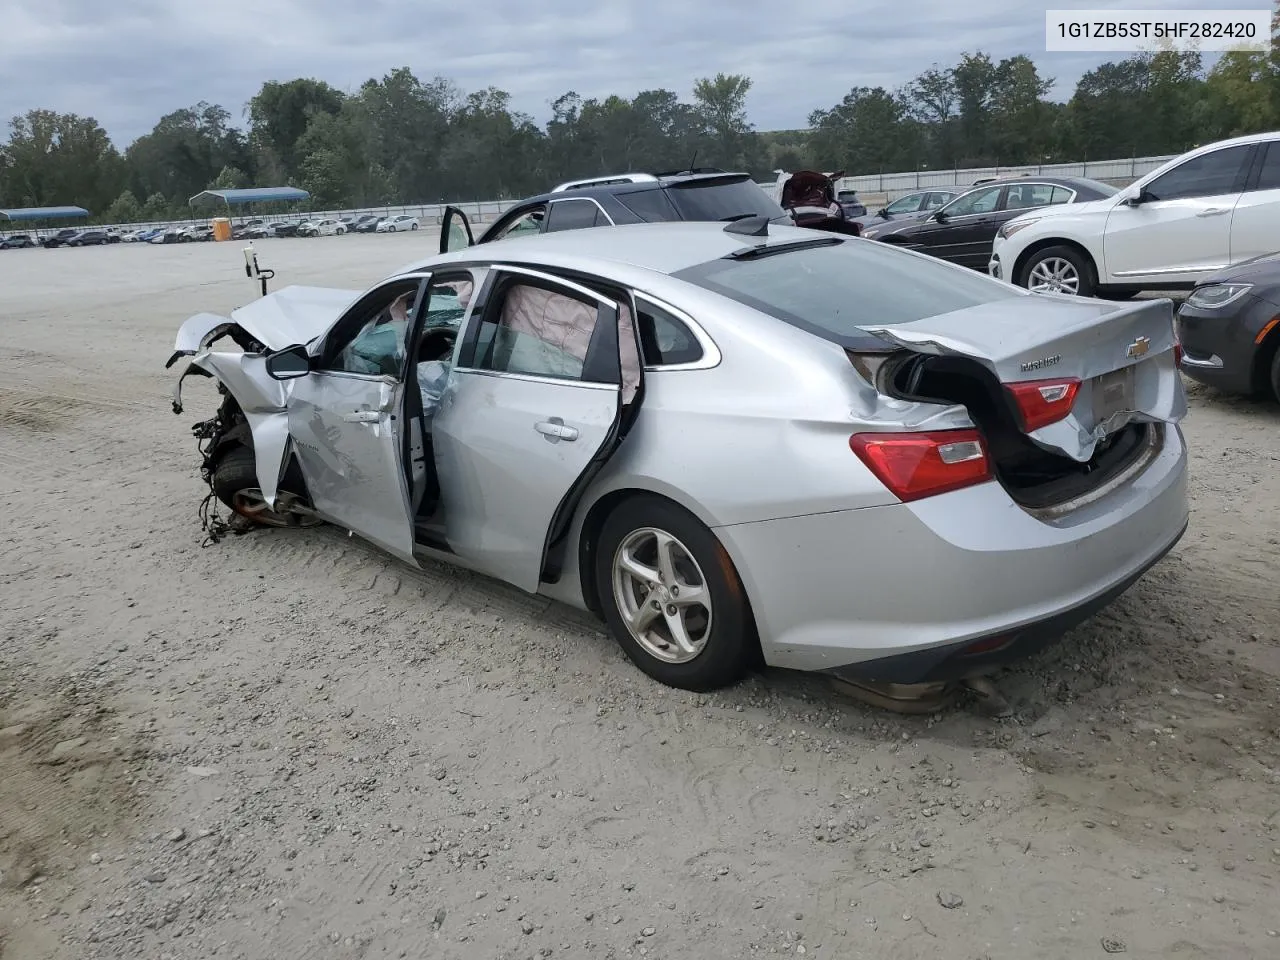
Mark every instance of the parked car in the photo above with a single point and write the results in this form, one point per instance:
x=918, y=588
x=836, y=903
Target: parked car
x=849, y=202
x=1209, y=208
x=397, y=223
x=198, y=233
x=367, y=223
x=169, y=235
x=16, y=241
x=60, y=239
x=240, y=231
x=1229, y=327
x=810, y=197
x=905, y=472
x=89, y=238
x=911, y=207
x=146, y=236
x=327, y=227
x=703, y=194
x=963, y=230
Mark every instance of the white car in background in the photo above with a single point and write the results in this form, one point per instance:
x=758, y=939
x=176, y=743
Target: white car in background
x=327, y=227
x=1212, y=207
x=395, y=224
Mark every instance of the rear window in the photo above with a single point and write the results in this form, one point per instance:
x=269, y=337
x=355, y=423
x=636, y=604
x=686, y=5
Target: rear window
x=834, y=291
x=719, y=199
x=1106, y=189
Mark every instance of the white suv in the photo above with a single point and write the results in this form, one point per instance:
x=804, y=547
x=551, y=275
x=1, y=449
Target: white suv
x=1205, y=210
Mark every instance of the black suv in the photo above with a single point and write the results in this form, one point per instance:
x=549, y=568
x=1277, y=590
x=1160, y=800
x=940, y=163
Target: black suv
x=702, y=194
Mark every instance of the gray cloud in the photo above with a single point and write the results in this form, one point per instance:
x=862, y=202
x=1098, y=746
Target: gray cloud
x=127, y=62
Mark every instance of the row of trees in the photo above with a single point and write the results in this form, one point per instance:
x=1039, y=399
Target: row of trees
x=400, y=139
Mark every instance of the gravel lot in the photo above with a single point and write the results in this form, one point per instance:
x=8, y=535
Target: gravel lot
x=288, y=745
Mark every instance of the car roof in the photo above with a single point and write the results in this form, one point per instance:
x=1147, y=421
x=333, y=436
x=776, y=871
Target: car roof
x=664, y=247
x=621, y=185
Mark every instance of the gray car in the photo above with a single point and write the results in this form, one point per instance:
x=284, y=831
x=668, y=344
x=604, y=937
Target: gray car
x=732, y=442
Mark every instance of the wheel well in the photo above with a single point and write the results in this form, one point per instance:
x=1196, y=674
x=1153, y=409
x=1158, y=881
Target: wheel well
x=1015, y=275
x=593, y=525
x=1262, y=361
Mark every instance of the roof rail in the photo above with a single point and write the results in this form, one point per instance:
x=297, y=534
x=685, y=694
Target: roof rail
x=605, y=181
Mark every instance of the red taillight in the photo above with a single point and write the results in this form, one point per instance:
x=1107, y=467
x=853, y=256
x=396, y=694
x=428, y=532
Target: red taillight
x=915, y=465
x=1177, y=354
x=1042, y=402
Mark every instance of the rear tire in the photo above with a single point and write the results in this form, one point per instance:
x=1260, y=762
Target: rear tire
x=235, y=483
x=712, y=618
x=1059, y=270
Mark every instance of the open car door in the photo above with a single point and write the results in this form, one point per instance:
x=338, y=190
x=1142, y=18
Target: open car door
x=455, y=231
x=546, y=383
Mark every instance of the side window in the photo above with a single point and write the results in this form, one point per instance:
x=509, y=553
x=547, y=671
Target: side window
x=664, y=339
x=377, y=347
x=1269, y=175
x=979, y=201
x=537, y=331
x=1060, y=195
x=935, y=200
x=907, y=204
x=1208, y=175
x=447, y=301
x=1026, y=195
x=528, y=222
x=650, y=206
x=573, y=215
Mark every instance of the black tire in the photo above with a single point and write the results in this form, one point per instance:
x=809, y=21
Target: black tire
x=236, y=471
x=413, y=227
x=728, y=645
x=1087, y=281
x=1275, y=373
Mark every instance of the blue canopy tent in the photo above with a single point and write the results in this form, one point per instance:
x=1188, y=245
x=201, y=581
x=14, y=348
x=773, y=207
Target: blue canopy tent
x=38, y=215
x=249, y=195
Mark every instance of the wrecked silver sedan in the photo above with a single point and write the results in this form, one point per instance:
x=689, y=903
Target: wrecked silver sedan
x=733, y=443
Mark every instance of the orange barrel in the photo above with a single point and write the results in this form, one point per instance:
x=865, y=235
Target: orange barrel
x=221, y=228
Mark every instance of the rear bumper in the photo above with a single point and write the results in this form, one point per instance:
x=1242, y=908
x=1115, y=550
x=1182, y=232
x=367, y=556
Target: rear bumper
x=894, y=593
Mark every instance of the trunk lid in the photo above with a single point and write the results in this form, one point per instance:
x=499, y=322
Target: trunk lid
x=1122, y=355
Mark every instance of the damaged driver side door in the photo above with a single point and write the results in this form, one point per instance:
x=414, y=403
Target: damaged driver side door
x=346, y=418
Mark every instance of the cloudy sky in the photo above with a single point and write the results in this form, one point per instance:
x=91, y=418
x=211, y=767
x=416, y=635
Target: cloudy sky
x=127, y=62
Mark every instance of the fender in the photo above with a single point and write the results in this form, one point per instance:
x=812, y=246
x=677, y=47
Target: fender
x=263, y=402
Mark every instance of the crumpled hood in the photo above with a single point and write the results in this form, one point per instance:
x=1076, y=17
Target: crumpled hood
x=294, y=314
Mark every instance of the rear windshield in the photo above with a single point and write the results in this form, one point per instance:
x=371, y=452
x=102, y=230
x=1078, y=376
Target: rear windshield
x=835, y=290
x=719, y=199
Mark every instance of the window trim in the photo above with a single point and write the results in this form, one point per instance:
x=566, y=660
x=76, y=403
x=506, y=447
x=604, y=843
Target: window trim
x=711, y=355
x=559, y=200
x=1253, y=183
x=481, y=301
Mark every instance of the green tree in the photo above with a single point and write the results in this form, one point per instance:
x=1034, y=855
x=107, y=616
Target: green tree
x=54, y=158
x=125, y=209
x=278, y=117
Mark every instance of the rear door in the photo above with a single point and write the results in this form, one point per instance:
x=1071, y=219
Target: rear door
x=1183, y=230
x=346, y=419
x=1255, y=222
x=455, y=231
x=546, y=379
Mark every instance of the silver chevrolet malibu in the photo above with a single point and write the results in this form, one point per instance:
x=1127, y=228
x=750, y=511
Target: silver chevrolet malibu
x=733, y=442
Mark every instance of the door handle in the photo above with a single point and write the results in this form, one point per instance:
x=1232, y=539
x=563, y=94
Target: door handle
x=1212, y=212
x=363, y=416
x=554, y=429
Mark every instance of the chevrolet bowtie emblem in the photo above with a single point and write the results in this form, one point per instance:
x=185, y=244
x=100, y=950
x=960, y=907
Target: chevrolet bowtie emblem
x=1139, y=347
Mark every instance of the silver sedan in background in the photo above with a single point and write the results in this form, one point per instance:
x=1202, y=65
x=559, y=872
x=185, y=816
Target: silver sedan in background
x=732, y=442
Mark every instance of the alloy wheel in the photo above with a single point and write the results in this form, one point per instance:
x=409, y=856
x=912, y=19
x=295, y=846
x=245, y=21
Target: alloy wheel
x=1054, y=275
x=662, y=595
x=250, y=503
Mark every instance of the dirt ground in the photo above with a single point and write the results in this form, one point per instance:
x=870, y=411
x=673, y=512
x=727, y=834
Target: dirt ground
x=287, y=745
